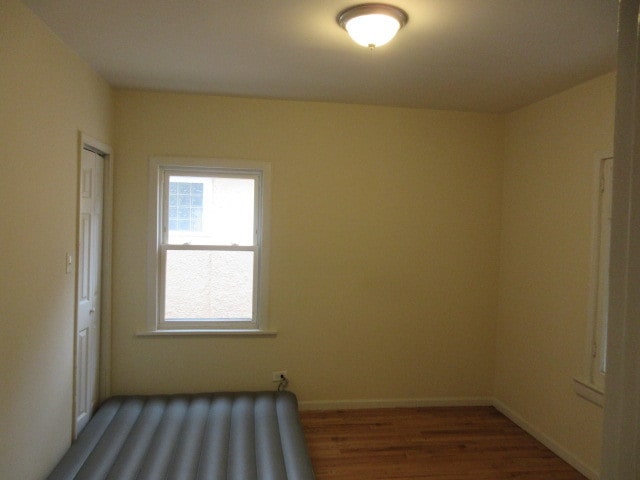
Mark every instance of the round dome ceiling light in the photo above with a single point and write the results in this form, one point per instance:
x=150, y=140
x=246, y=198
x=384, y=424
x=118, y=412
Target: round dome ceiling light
x=372, y=24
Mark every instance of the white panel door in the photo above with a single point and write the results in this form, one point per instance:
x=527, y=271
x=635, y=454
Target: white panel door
x=89, y=273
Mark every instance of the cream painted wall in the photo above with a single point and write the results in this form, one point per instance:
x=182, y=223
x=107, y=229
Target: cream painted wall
x=550, y=149
x=384, y=247
x=46, y=96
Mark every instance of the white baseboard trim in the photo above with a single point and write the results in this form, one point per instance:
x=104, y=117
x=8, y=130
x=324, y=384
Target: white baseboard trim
x=395, y=403
x=548, y=442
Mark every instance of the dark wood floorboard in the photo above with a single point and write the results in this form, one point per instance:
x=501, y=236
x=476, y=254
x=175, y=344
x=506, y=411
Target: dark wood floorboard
x=442, y=443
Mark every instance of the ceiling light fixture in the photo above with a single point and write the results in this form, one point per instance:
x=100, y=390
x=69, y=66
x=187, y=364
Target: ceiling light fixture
x=372, y=24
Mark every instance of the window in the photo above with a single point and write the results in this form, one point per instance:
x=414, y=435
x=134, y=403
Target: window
x=601, y=301
x=592, y=383
x=207, y=247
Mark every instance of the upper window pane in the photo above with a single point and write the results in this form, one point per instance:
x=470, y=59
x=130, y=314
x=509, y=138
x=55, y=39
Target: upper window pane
x=211, y=210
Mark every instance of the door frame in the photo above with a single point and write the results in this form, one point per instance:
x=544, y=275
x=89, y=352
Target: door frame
x=621, y=436
x=104, y=369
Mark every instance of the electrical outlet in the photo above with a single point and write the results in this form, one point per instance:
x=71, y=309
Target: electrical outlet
x=277, y=376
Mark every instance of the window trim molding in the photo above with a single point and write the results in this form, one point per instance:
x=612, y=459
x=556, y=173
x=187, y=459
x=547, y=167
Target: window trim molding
x=589, y=391
x=157, y=164
x=584, y=384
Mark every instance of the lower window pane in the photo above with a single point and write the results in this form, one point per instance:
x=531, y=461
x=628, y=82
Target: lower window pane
x=204, y=285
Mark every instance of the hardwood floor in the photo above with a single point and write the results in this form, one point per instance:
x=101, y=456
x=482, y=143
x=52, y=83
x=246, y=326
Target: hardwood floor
x=450, y=443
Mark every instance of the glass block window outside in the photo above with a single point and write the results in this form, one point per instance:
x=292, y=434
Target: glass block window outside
x=185, y=206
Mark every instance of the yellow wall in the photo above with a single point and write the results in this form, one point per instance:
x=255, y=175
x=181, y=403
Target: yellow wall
x=46, y=95
x=550, y=150
x=384, y=247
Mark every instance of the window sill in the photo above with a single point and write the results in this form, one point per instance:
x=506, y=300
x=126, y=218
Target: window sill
x=208, y=332
x=588, y=391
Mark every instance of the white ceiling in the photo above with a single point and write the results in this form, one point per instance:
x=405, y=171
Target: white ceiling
x=477, y=55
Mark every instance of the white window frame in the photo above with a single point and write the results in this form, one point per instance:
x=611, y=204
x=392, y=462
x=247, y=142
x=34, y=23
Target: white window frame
x=156, y=250
x=591, y=385
x=601, y=303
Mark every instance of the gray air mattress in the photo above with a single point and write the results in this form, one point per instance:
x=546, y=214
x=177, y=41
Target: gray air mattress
x=231, y=436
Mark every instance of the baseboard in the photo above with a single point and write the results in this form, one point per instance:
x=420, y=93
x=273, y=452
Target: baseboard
x=548, y=442
x=395, y=403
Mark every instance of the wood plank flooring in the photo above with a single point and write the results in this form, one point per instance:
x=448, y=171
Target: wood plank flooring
x=443, y=443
